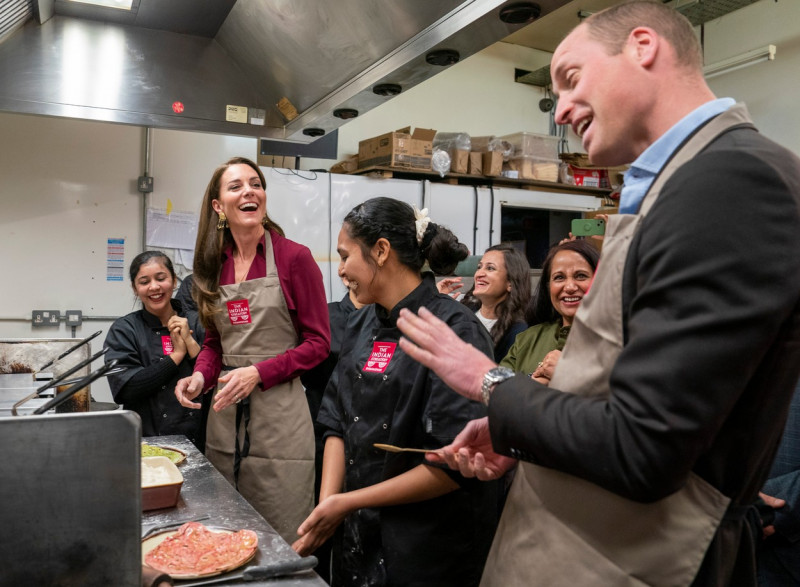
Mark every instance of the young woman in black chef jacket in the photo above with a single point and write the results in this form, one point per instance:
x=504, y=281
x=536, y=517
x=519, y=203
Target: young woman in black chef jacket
x=404, y=521
x=157, y=345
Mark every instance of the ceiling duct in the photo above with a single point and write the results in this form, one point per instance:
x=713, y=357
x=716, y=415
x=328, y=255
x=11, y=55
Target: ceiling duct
x=224, y=66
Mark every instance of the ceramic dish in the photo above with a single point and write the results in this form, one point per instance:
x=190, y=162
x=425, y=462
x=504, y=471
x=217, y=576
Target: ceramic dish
x=161, y=483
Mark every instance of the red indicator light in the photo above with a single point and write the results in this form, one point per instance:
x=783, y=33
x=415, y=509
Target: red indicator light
x=177, y=107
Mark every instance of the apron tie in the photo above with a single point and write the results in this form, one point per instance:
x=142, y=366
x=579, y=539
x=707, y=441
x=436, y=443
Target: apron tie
x=242, y=410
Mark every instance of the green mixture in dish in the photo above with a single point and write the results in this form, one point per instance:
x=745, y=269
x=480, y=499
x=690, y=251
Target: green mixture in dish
x=149, y=450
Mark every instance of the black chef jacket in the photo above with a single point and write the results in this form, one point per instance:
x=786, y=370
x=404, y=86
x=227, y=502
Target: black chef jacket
x=315, y=380
x=147, y=387
x=378, y=394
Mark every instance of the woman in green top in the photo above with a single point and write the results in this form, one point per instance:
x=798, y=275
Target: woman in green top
x=567, y=273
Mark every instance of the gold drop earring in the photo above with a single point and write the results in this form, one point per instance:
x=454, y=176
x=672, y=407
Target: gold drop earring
x=222, y=222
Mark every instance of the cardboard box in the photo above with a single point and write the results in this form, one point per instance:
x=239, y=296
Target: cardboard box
x=276, y=161
x=400, y=148
x=459, y=161
x=590, y=177
x=348, y=165
x=475, y=163
x=539, y=168
x=586, y=174
x=492, y=163
x=481, y=144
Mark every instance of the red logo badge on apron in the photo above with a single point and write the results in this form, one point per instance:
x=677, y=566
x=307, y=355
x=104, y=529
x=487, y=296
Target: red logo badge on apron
x=166, y=345
x=379, y=357
x=239, y=312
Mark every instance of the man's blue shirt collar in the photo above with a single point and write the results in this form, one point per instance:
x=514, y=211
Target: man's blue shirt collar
x=644, y=170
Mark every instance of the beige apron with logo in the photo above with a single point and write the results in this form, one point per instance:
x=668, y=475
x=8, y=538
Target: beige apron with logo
x=557, y=529
x=276, y=471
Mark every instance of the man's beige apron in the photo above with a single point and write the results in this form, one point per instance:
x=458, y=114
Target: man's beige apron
x=557, y=529
x=276, y=476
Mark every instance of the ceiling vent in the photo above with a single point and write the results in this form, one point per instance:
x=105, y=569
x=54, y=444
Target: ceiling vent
x=520, y=13
x=442, y=57
x=387, y=89
x=345, y=113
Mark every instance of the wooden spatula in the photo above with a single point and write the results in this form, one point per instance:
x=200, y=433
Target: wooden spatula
x=392, y=448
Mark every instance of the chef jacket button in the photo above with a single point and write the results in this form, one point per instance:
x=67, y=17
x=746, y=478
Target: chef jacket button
x=380, y=562
x=355, y=419
x=374, y=338
x=359, y=376
x=351, y=462
x=385, y=426
x=163, y=387
x=163, y=415
x=385, y=377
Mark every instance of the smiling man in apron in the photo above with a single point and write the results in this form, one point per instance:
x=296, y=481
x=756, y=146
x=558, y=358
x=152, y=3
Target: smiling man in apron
x=643, y=457
x=263, y=300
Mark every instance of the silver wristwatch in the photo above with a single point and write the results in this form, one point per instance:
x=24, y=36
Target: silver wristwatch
x=493, y=377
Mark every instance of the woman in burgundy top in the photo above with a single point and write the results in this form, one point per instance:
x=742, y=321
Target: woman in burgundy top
x=262, y=300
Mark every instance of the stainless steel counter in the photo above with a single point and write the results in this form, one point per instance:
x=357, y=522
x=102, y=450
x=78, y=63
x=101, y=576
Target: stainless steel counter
x=205, y=491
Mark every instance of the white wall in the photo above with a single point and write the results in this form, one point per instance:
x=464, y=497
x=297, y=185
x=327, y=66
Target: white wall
x=771, y=90
x=68, y=185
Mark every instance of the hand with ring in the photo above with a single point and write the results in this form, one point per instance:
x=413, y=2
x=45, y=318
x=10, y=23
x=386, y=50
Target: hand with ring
x=546, y=367
x=238, y=384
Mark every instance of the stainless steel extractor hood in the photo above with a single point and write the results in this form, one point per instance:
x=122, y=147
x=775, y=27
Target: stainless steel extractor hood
x=197, y=64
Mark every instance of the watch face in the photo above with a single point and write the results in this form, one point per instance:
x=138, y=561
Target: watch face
x=499, y=374
x=492, y=377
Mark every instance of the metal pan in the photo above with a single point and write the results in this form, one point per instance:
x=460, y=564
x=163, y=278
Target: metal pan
x=53, y=382
x=65, y=395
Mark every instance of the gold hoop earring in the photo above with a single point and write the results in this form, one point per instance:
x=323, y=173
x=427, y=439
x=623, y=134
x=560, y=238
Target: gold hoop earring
x=222, y=223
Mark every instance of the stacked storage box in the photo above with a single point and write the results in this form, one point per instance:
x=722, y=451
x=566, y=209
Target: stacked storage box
x=535, y=156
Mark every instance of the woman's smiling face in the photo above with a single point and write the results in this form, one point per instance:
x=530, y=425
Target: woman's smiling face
x=491, y=278
x=354, y=268
x=154, y=285
x=241, y=197
x=570, y=278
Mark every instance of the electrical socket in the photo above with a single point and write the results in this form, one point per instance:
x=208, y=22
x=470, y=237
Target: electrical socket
x=41, y=318
x=145, y=184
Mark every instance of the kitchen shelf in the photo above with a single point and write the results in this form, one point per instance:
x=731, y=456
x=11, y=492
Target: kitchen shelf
x=478, y=180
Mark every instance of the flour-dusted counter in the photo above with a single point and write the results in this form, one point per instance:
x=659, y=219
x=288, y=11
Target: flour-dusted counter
x=206, y=492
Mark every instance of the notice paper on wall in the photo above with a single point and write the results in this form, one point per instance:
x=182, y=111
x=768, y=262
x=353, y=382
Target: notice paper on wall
x=171, y=230
x=115, y=259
